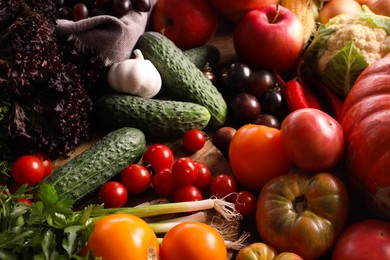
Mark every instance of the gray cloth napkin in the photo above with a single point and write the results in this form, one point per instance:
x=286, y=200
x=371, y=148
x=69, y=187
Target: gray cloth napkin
x=112, y=38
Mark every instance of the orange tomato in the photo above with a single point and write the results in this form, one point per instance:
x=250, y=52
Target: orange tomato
x=336, y=7
x=256, y=155
x=123, y=236
x=193, y=241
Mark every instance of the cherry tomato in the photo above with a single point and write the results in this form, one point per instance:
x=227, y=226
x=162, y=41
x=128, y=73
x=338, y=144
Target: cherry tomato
x=194, y=140
x=158, y=156
x=122, y=236
x=185, y=171
x=203, y=179
x=187, y=193
x=25, y=201
x=113, y=194
x=244, y=202
x=136, y=178
x=193, y=241
x=47, y=163
x=28, y=169
x=164, y=183
x=223, y=185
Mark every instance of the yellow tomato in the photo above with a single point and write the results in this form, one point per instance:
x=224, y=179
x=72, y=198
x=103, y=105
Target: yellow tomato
x=123, y=236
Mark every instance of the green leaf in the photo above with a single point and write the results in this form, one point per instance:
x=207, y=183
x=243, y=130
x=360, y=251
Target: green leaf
x=343, y=69
x=71, y=240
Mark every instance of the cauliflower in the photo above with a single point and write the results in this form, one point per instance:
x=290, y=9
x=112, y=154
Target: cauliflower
x=346, y=45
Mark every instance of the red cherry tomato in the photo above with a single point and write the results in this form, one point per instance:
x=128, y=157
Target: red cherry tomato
x=164, y=183
x=28, y=169
x=222, y=185
x=187, y=193
x=185, y=171
x=113, y=194
x=244, y=202
x=25, y=201
x=136, y=178
x=203, y=179
x=47, y=163
x=158, y=156
x=194, y=140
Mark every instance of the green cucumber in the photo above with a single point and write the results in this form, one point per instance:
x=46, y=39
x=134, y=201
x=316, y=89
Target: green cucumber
x=154, y=117
x=204, y=55
x=86, y=172
x=181, y=78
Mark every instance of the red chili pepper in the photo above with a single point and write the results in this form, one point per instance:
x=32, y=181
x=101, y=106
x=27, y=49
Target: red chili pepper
x=310, y=96
x=334, y=101
x=295, y=96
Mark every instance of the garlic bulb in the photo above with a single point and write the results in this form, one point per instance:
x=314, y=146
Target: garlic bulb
x=135, y=76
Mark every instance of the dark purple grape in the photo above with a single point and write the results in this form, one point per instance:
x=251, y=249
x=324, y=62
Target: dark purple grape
x=59, y=3
x=120, y=7
x=103, y=3
x=141, y=5
x=88, y=3
x=80, y=11
x=272, y=102
x=95, y=11
x=65, y=13
x=222, y=137
x=244, y=107
x=236, y=76
x=267, y=120
x=261, y=81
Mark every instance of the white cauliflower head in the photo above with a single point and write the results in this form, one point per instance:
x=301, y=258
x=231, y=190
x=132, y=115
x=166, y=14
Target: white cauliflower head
x=346, y=45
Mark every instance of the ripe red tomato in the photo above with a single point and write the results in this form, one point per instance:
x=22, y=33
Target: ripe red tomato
x=256, y=155
x=28, y=169
x=136, y=178
x=194, y=140
x=164, y=183
x=312, y=139
x=223, y=185
x=185, y=171
x=366, y=239
x=158, y=156
x=244, y=202
x=302, y=213
x=193, y=241
x=203, y=179
x=25, y=201
x=187, y=193
x=113, y=194
x=47, y=163
x=122, y=236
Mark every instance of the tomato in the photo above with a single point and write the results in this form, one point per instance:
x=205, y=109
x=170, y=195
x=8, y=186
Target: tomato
x=203, y=179
x=28, y=169
x=256, y=251
x=136, y=178
x=256, y=155
x=223, y=185
x=244, y=202
x=185, y=171
x=25, y=201
x=194, y=140
x=288, y=256
x=158, y=156
x=336, y=7
x=366, y=239
x=313, y=139
x=302, y=213
x=187, y=193
x=113, y=194
x=193, y=241
x=123, y=237
x=47, y=163
x=164, y=183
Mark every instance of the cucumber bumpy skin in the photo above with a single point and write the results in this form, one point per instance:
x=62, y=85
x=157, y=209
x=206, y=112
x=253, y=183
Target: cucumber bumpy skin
x=181, y=78
x=154, y=117
x=87, y=171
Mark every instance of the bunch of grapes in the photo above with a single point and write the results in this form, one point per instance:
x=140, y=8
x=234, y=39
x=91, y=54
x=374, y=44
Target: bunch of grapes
x=81, y=9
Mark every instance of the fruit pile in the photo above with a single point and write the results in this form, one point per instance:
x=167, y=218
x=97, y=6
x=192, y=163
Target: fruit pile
x=300, y=165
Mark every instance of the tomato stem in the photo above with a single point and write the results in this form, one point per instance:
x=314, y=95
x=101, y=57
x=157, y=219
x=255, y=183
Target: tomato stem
x=300, y=204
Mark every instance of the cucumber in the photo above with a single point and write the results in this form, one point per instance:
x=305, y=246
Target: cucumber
x=203, y=55
x=181, y=78
x=154, y=117
x=87, y=171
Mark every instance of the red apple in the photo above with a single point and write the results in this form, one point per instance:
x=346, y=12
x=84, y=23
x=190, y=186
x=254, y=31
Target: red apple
x=234, y=9
x=269, y=37
x=188, y=23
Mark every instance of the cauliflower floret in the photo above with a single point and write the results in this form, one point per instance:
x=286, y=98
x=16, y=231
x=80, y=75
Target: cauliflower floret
x=372, y=43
